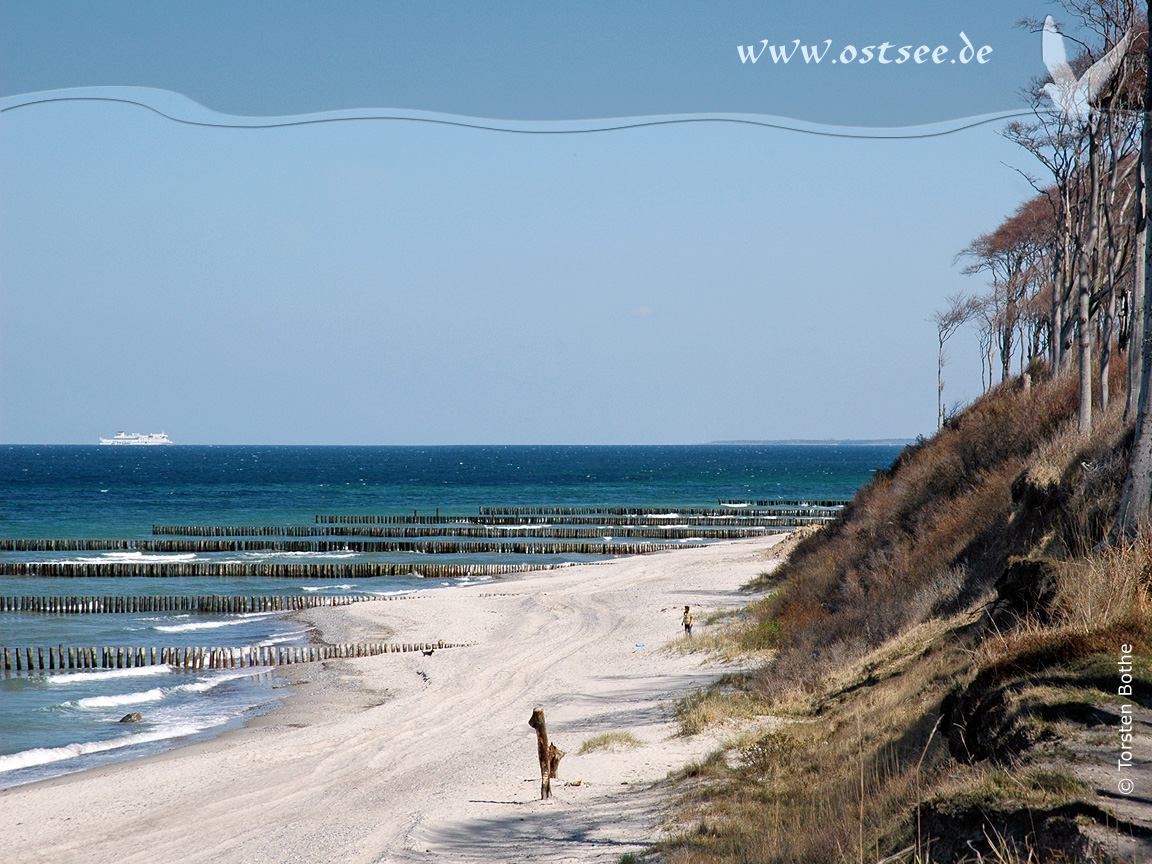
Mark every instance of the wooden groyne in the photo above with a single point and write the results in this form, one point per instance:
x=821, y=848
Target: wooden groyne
x=426, y=547
x=646, y=511
x=774, y=503
x=734, y=518
x=61, y=658
x=237, y=569
x=575, y=532
x=215, y=604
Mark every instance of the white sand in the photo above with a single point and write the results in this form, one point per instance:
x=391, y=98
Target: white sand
x=412, y=758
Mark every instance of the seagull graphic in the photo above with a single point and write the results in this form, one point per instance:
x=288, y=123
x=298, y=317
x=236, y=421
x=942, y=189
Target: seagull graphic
x=1071, y=95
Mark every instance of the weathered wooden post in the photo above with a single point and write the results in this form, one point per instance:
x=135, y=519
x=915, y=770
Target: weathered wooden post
x=549, y=754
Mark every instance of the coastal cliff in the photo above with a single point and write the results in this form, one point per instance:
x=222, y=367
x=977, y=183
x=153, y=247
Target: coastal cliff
x=964, y=674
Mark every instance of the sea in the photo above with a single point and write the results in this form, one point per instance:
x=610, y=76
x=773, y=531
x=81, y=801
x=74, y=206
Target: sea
x=60, y=723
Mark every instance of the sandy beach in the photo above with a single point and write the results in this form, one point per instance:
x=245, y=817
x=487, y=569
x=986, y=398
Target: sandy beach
x=406, y=758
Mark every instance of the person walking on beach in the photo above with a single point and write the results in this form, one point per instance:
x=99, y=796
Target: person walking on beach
x=687, y=620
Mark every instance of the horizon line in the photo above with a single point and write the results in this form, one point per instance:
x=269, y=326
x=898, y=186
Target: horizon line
x=780, y=442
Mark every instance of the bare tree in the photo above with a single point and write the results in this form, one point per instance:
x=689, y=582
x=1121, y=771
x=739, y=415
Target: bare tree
x=1091, y=160
x=1135, y=511
x=986, y=313
x=1059, y=144
x=959, y=310
x=1014, y=256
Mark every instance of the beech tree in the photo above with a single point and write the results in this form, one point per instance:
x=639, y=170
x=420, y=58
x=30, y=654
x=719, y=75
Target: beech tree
x=1059, y=143
x=1017, y=257
x=1112, y=132
x=1135, y=511
x=1092, y=162
x=948, y=320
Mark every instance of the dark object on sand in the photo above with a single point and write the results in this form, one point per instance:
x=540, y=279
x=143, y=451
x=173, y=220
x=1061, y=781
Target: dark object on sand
x=550, y=755
x=428, y=653
x=134, y=717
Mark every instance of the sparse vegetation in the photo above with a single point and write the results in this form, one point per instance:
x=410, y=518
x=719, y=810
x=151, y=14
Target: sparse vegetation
x=727, y=699
x=945, y=652
x=718, y=615
x=733, y=635
x=610, y=741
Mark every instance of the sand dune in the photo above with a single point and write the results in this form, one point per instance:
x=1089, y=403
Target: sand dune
x=408, y=758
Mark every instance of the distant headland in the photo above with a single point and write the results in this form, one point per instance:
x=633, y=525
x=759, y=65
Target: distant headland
x=827, y=442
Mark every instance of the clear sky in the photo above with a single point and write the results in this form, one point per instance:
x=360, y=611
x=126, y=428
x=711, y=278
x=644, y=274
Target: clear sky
x=395, y=282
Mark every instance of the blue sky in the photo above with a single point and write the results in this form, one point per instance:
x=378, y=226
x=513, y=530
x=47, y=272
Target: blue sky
x=391, y=282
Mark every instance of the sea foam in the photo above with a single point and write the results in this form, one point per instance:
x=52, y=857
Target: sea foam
x=130, y=557
x=153, y=695
x=84, y=677
x=212, y=625
x=45, y=755
x=206, y=684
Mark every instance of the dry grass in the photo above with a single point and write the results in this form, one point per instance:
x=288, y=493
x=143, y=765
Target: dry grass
x=794, y=793
x=733, y=636
x=924, y=538
x=611, y=741
x=771, y=578
x=1102, y=601
x=989, y=788
x=901, y=603
x=850, y=780
x=726, y=700
x=1106, y=586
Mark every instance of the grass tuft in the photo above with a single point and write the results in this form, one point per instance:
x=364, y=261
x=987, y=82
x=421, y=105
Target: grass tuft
x=611, y=741
x=726, y=700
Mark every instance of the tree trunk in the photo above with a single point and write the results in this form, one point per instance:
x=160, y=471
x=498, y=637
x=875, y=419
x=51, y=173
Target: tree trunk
x=1106, y=348
x=990, y=362
x=1136, y=314
x=548, y=753
x=1006, y=341
x=1062, y=295
x=940, y=388
x=1084, y=284
x=1069, y=334
x=1136, y=498
x=1022, y=339
x=1084, y=338
x=1055, y=318
x=1025, y=357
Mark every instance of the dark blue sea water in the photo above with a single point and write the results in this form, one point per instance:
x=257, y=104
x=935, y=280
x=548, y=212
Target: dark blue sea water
x=56, y=724
x=97, y=491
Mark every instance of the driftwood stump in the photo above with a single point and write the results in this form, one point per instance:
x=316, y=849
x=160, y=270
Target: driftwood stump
x=550, y=755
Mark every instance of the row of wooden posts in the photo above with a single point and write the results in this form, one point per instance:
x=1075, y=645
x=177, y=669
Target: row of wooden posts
x=216, y=604
x=264, y=570
x=570, y=532
x=799, y=508
x=426, y=547
x=772, y=504
x=61, y=658
x=650, y=511
x=733, y=519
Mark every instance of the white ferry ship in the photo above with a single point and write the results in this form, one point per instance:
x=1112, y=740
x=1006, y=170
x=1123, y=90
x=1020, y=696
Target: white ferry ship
x=137, y=438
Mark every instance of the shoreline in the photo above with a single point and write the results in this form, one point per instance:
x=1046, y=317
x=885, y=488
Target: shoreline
x=413, y=758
